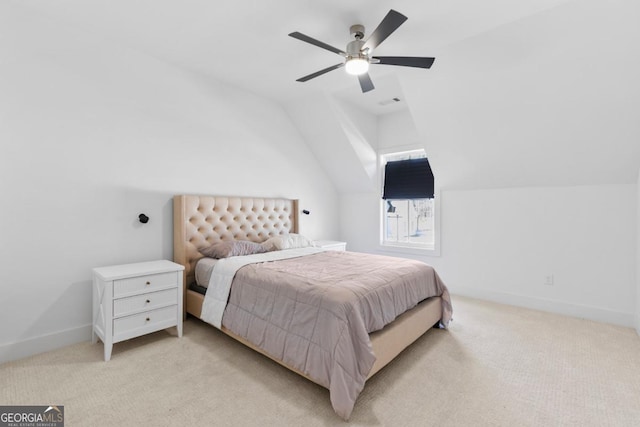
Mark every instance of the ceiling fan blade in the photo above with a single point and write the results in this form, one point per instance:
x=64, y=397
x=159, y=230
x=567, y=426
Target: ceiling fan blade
x=304, y=38
x=389, y=24
x=365, y=82
x=321, y=72
x=405, y=61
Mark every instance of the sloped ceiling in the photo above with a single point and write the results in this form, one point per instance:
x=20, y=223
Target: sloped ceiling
x=245, y=42
x=551, y=99
x=532, y=92
x=342, y=138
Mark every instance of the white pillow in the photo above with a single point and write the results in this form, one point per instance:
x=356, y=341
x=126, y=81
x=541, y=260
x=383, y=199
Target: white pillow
x=286, y=241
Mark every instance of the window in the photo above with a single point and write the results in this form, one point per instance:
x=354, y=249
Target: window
x=408, y=208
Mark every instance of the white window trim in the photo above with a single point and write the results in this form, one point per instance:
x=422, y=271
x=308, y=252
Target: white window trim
x=408, y=249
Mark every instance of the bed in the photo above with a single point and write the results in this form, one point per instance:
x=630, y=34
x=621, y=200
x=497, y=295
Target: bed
x=200, y=221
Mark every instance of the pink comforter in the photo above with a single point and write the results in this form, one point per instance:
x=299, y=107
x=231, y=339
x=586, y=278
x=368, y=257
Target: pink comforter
x=315, y=312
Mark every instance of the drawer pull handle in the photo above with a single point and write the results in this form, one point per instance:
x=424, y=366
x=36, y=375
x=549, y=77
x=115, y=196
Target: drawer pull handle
x=148, y=301
x=148, y=283
x=148, y=318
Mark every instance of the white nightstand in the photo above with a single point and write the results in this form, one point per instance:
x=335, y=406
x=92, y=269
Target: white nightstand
x=130, y=300
x=332, y=245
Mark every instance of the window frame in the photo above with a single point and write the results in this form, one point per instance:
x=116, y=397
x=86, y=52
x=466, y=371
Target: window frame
x=405, y=247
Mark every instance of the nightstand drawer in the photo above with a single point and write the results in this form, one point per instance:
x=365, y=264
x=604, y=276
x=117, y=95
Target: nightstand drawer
x=149, y=283
x=144, y=302
x=144, y=323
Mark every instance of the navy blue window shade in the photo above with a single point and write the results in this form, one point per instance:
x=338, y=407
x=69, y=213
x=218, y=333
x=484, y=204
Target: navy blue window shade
x=408, y=179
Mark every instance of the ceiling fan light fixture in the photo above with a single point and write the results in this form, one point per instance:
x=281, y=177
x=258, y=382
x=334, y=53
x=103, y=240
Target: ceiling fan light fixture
x=356, y=66
x=359, y=53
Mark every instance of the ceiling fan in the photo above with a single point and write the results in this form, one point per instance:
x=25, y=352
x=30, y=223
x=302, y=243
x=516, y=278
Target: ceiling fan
x=358, y=54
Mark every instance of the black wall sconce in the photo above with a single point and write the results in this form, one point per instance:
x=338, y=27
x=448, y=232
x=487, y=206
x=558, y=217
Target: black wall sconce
x=305, y=211
x=143, y=218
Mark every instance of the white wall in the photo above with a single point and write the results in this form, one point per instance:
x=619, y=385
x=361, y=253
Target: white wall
x=500, y=244
x=91, y=135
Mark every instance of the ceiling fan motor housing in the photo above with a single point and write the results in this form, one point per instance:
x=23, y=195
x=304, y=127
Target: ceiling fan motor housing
x=357, y=31
x=354, y=49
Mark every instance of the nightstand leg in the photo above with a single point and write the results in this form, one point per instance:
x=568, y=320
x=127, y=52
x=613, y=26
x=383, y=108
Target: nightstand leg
x=107, y=351
x=94, y=337
x=179, y=328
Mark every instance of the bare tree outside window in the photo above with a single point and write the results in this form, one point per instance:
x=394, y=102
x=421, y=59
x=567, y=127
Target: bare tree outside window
x=410, y=221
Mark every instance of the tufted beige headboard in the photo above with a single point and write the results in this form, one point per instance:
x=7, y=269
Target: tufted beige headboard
x=200, y=221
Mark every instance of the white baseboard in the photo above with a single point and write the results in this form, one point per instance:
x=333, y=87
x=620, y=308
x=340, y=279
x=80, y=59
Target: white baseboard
x=47, y=342
x=568, y=309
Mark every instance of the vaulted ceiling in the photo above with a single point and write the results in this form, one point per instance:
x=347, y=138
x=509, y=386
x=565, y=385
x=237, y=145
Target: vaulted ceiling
x=528, y=92
x=246, y=43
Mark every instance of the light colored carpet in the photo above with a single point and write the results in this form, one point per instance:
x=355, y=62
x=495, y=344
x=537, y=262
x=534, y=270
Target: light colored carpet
x=496, y=366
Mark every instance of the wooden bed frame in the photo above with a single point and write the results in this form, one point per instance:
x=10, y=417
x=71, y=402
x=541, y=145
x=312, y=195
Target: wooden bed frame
x=200, y=221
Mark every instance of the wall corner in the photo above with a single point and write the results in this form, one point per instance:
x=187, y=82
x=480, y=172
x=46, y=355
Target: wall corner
x=638, y=256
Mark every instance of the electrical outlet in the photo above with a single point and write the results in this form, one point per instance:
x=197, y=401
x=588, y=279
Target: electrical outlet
x=548, y=280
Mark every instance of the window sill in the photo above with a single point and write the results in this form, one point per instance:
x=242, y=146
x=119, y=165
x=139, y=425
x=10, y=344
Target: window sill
x=409, y=250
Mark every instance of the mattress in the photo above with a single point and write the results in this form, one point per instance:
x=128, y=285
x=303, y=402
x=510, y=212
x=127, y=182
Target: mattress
x=204, y=268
